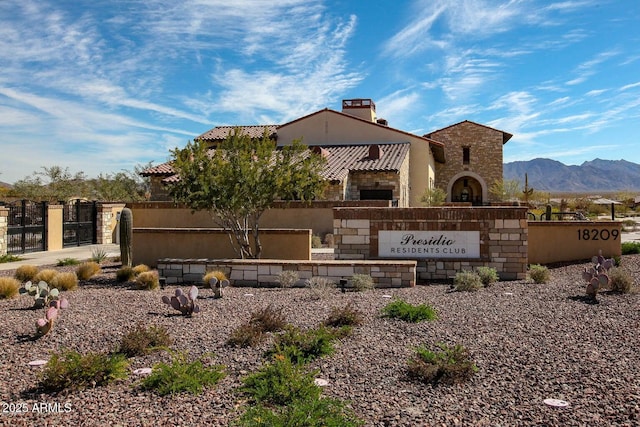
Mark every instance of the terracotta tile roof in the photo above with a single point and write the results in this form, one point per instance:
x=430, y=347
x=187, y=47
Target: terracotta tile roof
x=162, y=169
x=220, y=133
x=341, y=159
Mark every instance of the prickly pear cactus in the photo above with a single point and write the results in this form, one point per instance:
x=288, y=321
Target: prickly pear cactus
x=597, y=277
x=217, y=286
x=126, y=235
x=185, y=303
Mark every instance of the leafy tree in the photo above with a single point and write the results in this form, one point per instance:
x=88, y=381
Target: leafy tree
x=433, y=197
x=241, y=179
x=505, y=190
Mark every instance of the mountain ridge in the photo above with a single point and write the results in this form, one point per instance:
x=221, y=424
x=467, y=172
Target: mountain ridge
x=594, y=175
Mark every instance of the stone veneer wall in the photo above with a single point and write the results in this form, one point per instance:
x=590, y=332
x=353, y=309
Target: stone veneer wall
x=485, y=146
x=4, y=228
x=264, y=272
x=106, y=222
x=503, y=236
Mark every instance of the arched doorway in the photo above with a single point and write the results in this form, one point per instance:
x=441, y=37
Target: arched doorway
x=467, y=189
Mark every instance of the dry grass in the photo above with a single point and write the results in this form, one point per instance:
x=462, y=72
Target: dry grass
x=9, y=287
x=65, y=282
x=87, y=270
x=26, y=272
x=45, y=275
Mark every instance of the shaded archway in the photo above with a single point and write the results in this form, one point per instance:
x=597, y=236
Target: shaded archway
x=467, y=187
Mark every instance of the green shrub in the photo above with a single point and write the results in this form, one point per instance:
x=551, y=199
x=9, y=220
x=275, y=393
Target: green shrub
x=98, y=255
x=182, y=376
x=26, y=272
x=362, y=282
x=448, y=365
x=287, y=278
x=402, y=310
x=125, y=274
x=148, y=280
x=143, y=340
x=304, y=346
x=45, y=275
x=630, y=248
x=281, y=382
x=488, y=275
x=67, y=261
x=9, y=258
x=321, y=412
x=345, y=316
x=467, y=281
x=316, y=241
x=70, y=369
x=65, y=282
x=9, y=287
x=539, y=273
x=87, y=270
x=620, y=280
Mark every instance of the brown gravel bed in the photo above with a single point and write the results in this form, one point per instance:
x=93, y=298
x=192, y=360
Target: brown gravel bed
x=530, y=342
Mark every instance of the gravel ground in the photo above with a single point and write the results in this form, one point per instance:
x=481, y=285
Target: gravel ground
x=530, y=342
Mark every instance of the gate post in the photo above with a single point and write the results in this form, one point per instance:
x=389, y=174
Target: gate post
x=54, y=227
x=4, y=226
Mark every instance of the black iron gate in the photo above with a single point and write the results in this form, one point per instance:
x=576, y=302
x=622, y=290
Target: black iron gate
x=79, y=223
x=27, y=231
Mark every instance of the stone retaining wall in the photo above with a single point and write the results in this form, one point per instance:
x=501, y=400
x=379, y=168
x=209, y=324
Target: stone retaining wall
x=264, y=272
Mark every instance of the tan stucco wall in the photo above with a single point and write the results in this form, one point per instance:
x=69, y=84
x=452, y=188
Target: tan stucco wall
x=485, y=163
x=151, y=244
x=330, y=128
x=54, y=227
x=565, y=241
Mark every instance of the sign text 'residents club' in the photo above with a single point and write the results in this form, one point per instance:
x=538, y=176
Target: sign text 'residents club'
x=429, y=244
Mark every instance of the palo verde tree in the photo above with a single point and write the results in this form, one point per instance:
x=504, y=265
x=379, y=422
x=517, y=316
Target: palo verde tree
x=241, y=179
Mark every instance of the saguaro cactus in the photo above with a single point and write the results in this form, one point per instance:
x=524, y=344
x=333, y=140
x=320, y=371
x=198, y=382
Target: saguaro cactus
x=126, y=232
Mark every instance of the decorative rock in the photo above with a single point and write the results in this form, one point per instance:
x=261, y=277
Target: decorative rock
x=143, y=371
x=38, y=362
x=321, y=382
x=556, y=403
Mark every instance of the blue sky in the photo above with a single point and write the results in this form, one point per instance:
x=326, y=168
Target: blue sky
x=102, y=86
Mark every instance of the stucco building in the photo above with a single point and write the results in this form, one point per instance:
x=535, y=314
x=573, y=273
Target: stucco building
x=369, y=160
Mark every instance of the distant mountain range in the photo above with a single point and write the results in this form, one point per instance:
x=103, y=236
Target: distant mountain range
x=595, y=175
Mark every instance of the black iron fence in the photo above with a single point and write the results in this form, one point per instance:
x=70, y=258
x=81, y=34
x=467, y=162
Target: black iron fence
x=79, y=223
x=27, y=227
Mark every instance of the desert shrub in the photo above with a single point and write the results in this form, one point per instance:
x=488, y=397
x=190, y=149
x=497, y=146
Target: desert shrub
x=539, y=273
x=9, y=287
x=288, y=278
x=447, y=365
x=70, y=369
x=125, y=274
x=281, y=382
x=67, y=261
x=629, y=225
x=630, y=248
x=143, y=340
x=329, y=240
x=316, y=241
x=182, y=376
x=217, y=274
x=320, y=412
x=320, y=287
x=148, y=280
x=45, y=275
x=402, y=310
x=268, y=319
x=9, y=258
x=488, y=275
x=304, y=346
x=362, y=282
x=87, y=270
x=65, y=282
x=245, y=335
x=344, y=316
x=620, y=280
x=26, y=272
x=140, y=268
x=98, y=255
x=467, y=281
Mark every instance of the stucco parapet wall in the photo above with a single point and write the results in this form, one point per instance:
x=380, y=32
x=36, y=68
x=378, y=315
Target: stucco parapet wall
x=319, y=204
x=264, y=272
x=516, y=216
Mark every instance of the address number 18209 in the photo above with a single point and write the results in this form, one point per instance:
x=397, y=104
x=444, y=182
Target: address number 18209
x=597, y=234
